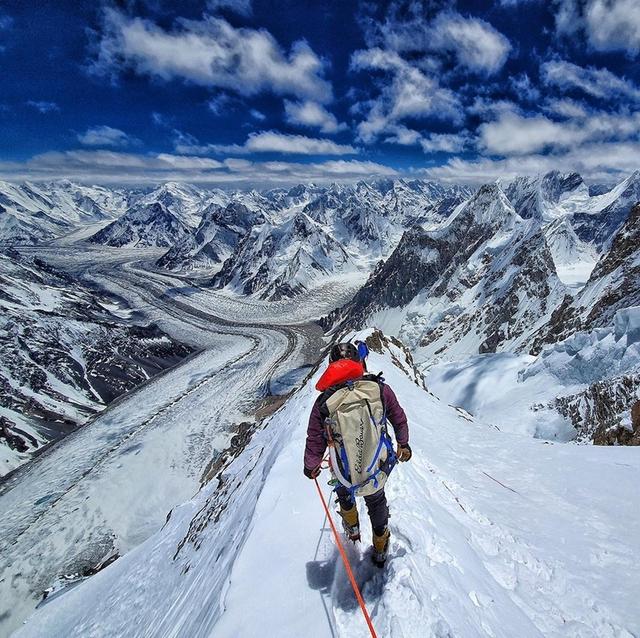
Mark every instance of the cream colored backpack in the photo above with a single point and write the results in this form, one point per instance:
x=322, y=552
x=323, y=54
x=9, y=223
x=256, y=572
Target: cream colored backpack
x=361, y=452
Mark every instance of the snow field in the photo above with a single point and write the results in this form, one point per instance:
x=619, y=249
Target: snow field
x=469, y=556
x=493, y=534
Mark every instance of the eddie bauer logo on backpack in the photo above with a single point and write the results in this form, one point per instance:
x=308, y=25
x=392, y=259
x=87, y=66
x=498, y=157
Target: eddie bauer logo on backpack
x=360, y=450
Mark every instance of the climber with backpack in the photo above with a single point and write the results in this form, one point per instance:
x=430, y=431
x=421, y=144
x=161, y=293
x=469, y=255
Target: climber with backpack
x=363, y=353
x=350, y=417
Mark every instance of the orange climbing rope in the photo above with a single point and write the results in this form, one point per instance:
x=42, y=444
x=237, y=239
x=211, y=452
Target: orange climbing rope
x=347, y=566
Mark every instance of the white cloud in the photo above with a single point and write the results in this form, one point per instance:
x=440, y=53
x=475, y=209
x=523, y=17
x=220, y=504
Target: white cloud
x=312, y=115
x=476, y=44
x=613, y=25
x=487, y=108
x=188, y=163
x=404, y=136
x=610, y=25
x=599, y=83
x=43, y=106
x=212, y=53
x=409, y=94
x=241, y=7
x=514, y=134
x=567, y=108
x=104, y=136
x=257, y=115
x=273, y=142
x=265, y=142
x=444, y=143
x=111, y=167
x=160, y=120
x=597, y=162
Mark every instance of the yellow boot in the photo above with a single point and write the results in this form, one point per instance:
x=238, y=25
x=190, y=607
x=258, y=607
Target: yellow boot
x=380, y=547
x=350, y=523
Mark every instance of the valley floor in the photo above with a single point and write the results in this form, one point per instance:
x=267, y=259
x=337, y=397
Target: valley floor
x=107, y=487
x=493, y=534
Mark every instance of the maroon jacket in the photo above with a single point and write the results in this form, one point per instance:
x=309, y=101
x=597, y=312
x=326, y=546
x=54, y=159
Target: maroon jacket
x=316, y=438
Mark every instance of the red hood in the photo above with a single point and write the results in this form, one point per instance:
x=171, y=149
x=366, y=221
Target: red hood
x=338, y=372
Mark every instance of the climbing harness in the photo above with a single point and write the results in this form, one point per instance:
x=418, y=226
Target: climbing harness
x=347, y=565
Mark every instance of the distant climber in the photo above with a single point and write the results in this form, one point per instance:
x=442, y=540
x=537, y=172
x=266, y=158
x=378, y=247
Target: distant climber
x=350, y=418
x=363, y=352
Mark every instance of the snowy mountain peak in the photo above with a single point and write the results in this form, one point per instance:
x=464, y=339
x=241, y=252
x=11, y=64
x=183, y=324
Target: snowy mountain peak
x=488, y=206
x=143, y=225
x=548, y=196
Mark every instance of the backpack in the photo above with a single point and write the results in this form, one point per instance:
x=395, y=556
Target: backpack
x=361, y=452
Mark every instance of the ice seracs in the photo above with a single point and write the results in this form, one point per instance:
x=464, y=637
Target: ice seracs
x=613, y=284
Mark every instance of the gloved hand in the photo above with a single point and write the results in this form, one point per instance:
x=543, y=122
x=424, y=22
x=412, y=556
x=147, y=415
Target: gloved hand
x=403, y=453
x=311, y=474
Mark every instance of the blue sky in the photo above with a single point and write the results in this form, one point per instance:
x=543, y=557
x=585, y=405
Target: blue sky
x=249, y=92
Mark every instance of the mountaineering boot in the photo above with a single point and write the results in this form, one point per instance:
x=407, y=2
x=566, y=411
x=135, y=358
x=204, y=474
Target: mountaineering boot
x=350, y=523
x=380, y=547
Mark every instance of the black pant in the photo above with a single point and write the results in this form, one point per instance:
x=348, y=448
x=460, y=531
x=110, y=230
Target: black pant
x=376, y=506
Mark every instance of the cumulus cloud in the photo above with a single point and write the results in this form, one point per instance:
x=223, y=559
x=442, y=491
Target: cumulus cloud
x=104, y=136
x=43, y=106
x=404, y=46
x=112, y=167
x=610, y=25
x=599, y=83
x=312, y=115
x=514, y=134
x=474, y=42
x=211, y=53
x=410, y=93
x=266, y=142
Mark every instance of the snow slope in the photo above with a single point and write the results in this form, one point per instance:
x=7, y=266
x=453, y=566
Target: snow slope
x=108, y=486
x=572, y=388
x=493, y=534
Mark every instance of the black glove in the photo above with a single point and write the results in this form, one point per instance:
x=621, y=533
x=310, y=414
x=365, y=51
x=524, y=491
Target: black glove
x=403, y=453
x=311, y=474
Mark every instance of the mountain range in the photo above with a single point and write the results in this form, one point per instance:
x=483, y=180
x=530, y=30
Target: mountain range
x=453, y=271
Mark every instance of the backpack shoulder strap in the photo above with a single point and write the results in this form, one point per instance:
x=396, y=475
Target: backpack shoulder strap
x=379, y=379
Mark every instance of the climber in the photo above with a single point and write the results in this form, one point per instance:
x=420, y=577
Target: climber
x=350, y=417
x=363, y=353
